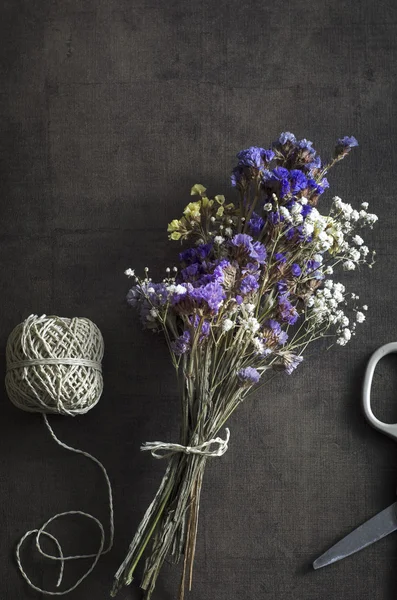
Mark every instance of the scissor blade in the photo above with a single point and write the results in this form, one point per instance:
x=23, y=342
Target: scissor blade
x=371, y=531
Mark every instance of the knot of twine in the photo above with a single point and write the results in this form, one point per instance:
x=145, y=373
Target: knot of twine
x=54, y=366
x=157, y=449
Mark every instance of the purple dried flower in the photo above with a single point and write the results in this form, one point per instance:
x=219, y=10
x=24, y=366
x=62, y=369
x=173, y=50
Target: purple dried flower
x=211, y=294
x=344, y=145
x=280, y=257
x=249, y=375
x=296, y=270
x=254, y=250
x=182, y=344
x=268, y=155
x=315, y=163
x=251, y=157
x=298, y=181
x=288, y=312
x=197, y=254
x=248, y=284
x=255, y=224
x=291, y=361
x=236, y=176
x=306, y=210
x=347, y=142
x=277, y=331
x=285, y=137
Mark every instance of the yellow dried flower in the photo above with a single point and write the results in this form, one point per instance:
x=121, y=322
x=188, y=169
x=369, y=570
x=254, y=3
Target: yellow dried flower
x=192, y=210
x=197, y=190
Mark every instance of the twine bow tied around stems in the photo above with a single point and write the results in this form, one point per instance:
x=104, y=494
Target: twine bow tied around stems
x=157, y=449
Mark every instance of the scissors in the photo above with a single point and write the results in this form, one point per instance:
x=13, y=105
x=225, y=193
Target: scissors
x=384, y=522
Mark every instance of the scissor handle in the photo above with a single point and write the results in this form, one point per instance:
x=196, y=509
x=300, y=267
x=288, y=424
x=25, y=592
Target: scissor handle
x=387, y=428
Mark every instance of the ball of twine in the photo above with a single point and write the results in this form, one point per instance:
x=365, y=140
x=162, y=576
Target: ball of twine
x=54, y=365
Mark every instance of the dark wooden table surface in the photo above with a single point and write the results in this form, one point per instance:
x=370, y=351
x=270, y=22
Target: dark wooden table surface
x=110, y=111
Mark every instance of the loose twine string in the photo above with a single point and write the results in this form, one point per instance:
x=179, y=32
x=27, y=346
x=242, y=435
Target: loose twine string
x=54, y=366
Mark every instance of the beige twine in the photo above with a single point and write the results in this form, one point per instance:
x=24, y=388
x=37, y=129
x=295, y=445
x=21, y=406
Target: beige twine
x=54, y=366
x=157, y=449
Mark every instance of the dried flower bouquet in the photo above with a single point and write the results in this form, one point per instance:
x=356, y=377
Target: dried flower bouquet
x=251, y=292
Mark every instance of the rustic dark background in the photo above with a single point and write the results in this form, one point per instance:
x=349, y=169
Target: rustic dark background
x=110, y=110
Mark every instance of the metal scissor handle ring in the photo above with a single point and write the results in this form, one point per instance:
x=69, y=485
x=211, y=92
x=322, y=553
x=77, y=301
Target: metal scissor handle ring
x=387, y=428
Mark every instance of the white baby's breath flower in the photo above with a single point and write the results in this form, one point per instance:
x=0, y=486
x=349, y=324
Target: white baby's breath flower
x=337, y=201
x=354, y=254
x=176, y=289
x=250, y=308
x=358, y=240
x=297, y=219
x=364, y=250
x=296, y=208
x=268, y=206
x=227, y=324
x=349, y=265
x=228, y=231
x=365, y=307
x=347, y=334
x=341, y=341
x=328, y=270
x=154, y=312
x=318, y=258
x=329, y=284
x=129, y=273
x=308, y=229
x=218, y=240
x=303, y=200
x=360, y=317
x=284, y=212
x=310, y=301
x=258, y=344
x=364, y=205
x=251, y=324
